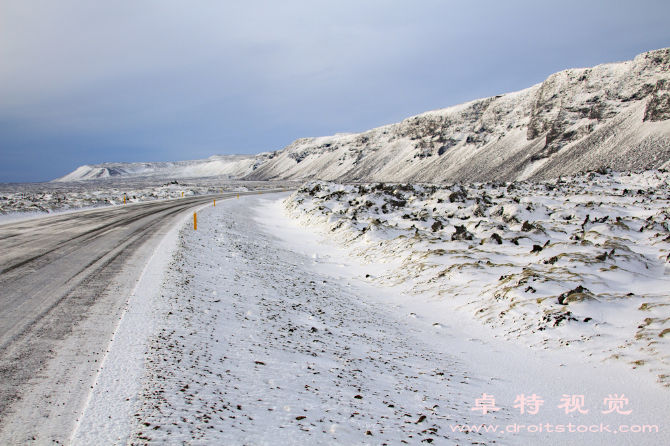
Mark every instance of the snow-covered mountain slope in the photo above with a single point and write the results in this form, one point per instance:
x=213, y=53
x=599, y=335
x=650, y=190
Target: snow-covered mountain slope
x=228, y=166
x=614, y=115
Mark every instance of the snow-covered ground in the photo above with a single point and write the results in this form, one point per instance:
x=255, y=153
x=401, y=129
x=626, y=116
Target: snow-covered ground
x=264, y=331
x=29, y=200
x=580, y=263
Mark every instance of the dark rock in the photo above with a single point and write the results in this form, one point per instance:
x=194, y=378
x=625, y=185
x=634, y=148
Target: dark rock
x=458, y=196
x=535, y=228
x=496, y=238
x=576, y=295
x=461, y=233
x=658, y=107
x=478, y=211
x=551, y=260
x=557, y=317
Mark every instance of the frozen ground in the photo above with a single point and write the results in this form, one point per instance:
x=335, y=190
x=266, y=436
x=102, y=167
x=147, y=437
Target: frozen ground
x=29, y=200
x=580, y=263
x=266, y=332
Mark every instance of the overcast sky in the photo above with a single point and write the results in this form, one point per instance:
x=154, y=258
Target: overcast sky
x=85, y=82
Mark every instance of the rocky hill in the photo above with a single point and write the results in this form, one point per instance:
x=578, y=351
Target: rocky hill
x=613, y=115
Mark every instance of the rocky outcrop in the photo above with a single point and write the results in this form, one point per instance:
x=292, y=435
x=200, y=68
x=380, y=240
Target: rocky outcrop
x=658, y=107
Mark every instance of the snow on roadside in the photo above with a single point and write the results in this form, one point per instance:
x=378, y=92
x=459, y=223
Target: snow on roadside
x=107, y=416
x=579, y=263
x=258, y=348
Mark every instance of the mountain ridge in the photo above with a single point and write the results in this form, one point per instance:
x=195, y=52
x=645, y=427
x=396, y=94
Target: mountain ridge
x=614, y=115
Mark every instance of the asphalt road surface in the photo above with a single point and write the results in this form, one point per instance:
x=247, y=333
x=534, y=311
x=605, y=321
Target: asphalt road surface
x=64, y=282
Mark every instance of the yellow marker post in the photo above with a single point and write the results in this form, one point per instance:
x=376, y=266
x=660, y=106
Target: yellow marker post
x=238, y=196
x=124, y=199
x=215, y=202
x=195, y=221
x=259, y=192
x=182, y=194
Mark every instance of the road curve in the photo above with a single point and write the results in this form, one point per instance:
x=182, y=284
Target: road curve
x=64, y=281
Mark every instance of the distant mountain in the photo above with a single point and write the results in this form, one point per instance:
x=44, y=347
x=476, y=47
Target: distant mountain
x=227, y=166
x=614, y=115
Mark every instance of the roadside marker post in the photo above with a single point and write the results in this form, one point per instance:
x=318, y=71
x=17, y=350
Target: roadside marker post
x=215, y=202
x=238, y=196
x=182, y=194
x=195, y=221
x=259, y=192
x=124, y=199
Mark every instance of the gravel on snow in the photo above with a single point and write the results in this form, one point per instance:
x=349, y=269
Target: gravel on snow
x=258, y=348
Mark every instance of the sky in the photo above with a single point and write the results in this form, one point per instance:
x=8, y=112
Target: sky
x=85, y=82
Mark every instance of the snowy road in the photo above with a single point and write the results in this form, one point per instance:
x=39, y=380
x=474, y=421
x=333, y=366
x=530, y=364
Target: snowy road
x=64, y=281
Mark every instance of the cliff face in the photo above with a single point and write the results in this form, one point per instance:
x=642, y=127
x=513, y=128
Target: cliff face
x=658, y=107
x=613, y=115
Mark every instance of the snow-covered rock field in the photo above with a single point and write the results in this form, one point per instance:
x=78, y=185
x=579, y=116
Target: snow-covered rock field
x=35, y=199
x=580, y=263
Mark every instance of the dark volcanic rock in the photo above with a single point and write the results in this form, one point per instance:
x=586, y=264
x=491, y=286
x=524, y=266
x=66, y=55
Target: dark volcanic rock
x=576, y=295
x=461, y=233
